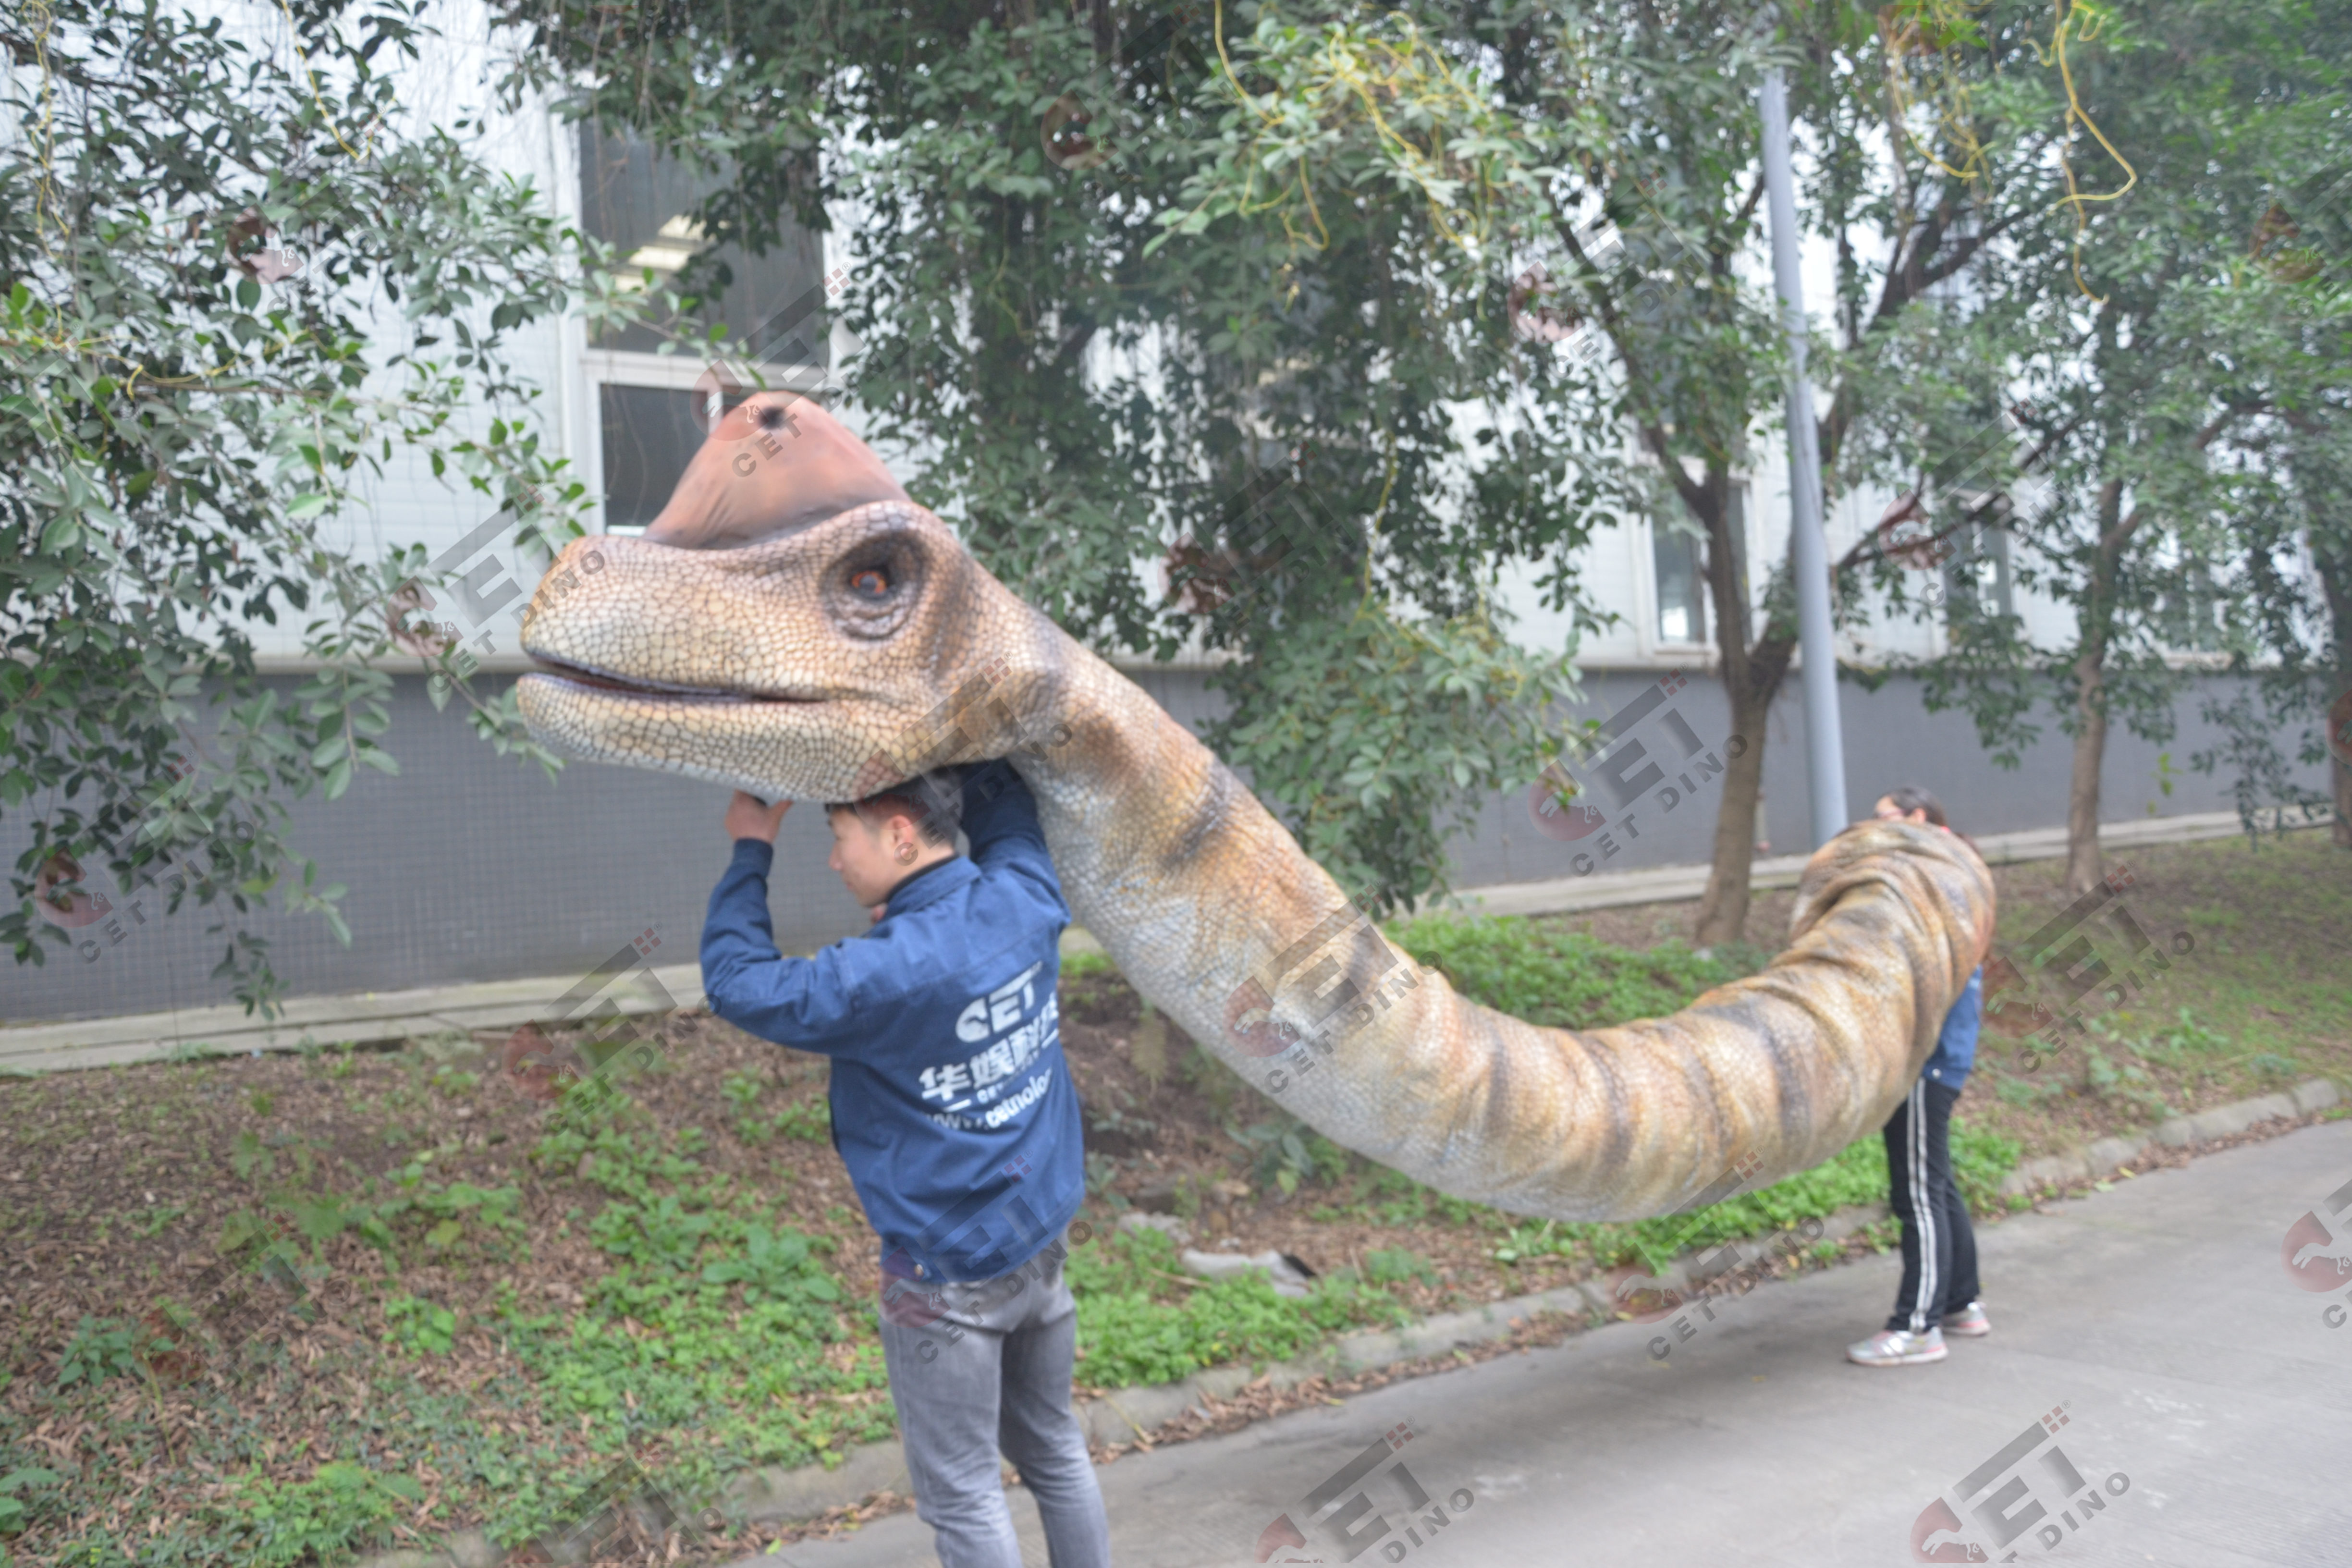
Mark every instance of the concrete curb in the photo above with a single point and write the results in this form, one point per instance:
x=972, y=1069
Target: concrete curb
x=1669, y=884
x=2110, y=1154
x=774, y=1495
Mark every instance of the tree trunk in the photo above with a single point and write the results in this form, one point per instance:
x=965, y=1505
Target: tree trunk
x=2329, y=555
x=1723, y=911
x=2083, y=869
x=1750, y=678
x=2343, y=805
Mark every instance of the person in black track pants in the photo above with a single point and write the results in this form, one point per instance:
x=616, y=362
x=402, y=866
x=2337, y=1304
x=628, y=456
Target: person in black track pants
x=1938, y=1294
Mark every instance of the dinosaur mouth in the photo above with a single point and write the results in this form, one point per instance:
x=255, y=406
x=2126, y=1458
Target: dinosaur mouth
x=597, y=680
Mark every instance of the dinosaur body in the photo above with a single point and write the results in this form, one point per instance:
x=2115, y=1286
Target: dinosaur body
x=823, y=648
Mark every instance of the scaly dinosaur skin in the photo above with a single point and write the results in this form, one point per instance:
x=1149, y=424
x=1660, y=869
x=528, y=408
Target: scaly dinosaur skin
x=793, y=626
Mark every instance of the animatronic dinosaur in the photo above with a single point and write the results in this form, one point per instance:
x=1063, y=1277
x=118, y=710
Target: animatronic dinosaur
x=793, y=624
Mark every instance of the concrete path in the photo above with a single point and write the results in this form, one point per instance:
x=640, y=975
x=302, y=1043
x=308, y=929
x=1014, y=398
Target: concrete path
x=2191, y=1387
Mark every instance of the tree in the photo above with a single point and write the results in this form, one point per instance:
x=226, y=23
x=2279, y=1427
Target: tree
x=207, y=249
x=2293, y=552
x=2132, y=343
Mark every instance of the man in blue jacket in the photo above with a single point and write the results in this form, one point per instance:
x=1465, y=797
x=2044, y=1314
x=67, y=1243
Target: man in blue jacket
x=954, y=1110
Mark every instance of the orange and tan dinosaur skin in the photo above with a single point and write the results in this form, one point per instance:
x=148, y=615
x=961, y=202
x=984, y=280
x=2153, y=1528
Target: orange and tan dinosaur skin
x=793, y=626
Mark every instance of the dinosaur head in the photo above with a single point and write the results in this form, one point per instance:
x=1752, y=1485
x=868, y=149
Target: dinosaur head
x=792, y=624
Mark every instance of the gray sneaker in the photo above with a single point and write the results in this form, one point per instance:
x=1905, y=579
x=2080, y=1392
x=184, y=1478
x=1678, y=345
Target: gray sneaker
x=1898, y=1347
x=1970, y=1323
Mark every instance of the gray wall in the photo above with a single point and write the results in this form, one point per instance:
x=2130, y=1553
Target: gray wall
x=469, y=867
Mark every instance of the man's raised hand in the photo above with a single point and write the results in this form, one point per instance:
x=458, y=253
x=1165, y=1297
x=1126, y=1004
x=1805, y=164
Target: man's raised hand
x=749, y=816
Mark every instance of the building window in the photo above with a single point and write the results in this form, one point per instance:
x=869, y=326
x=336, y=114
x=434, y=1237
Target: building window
x=1678, y=570
x=641, y=202
x=650, y=434
x=1977, y=575
x=2189, y=612
x=649, y=423
x=1682, y=585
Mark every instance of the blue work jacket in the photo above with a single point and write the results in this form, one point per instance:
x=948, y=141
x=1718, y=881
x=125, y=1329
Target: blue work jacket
x=953, y=1105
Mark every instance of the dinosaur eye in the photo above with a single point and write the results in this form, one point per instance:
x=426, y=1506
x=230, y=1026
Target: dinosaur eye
x=872, y=586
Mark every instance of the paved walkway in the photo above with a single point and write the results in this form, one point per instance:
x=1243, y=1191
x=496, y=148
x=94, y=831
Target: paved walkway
x=2190, y=1384
x=505, y=1004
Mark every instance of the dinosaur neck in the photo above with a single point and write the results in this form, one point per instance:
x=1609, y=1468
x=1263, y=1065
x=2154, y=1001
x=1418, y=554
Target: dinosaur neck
x=1213, y=913
x=1165, y=856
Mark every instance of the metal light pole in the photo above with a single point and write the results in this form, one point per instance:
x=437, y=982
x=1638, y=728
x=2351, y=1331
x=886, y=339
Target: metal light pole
x=1808, y=552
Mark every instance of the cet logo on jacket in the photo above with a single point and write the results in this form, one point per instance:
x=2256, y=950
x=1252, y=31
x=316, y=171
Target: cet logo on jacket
x=1011, y=1012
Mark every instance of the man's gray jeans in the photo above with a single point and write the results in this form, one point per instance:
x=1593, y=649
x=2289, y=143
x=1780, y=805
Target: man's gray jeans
x=982, y=1368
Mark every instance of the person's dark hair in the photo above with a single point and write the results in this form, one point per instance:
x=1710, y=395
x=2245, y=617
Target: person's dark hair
x=1908, y=798
x=933, y=801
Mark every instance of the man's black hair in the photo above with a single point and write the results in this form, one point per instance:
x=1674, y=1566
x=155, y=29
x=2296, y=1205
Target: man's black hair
x=1908, y=798
x=933, y=801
